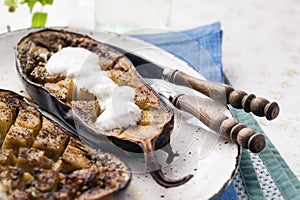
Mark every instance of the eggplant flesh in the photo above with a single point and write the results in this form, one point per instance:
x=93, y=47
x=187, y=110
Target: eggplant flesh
x=39, y=159
x=58, y=95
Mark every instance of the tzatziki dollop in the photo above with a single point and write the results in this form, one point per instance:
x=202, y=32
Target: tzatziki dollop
x=82, y=66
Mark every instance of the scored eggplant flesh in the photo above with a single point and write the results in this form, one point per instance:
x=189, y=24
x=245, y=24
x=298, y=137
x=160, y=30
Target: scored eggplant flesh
x=41, y=160
x=56, y=95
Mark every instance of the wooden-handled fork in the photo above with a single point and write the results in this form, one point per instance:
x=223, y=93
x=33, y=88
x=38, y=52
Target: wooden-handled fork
x=212, y=115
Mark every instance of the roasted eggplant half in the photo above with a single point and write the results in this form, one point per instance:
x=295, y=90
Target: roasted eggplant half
x=79, y=107
x=39, y=159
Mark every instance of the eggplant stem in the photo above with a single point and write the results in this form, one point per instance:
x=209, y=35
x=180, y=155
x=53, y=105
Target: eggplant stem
x=155, y=168
x=166, y=182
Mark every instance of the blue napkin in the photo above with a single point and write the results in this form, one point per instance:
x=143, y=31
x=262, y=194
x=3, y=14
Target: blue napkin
x=201, y=49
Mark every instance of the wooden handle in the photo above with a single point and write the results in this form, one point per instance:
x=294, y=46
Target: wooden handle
x=216, y=120
x=226, y=94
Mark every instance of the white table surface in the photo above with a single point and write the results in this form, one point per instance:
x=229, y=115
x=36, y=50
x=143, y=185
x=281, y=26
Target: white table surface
x=261, y=51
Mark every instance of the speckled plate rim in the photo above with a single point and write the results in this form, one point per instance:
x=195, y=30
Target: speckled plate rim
x=7, y=55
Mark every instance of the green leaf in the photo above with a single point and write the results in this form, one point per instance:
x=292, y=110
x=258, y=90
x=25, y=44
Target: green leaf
x=10, y=2
x=46, y=2
x=39, y=19
x=30, y=4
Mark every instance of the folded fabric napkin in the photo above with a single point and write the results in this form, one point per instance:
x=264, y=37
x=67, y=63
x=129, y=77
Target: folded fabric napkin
x=260, y=176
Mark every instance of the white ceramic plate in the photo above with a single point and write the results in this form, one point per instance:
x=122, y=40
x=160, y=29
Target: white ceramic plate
x=203, y=153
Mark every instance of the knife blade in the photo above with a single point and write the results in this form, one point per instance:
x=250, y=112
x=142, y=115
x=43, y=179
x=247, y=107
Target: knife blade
x=212, y=115
x=220, y=92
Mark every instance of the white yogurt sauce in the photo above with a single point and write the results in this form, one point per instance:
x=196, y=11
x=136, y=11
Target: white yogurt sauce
x=82, y=66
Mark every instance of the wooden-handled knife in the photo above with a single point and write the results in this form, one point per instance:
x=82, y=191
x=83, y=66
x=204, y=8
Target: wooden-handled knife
x=217, y=91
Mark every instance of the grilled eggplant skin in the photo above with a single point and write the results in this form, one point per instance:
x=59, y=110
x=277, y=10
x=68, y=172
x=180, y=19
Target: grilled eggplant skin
x=115, y=63
x=41, y=160
x=157, y=119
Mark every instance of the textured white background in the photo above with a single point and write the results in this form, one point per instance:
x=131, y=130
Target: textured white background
x=261, y=51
